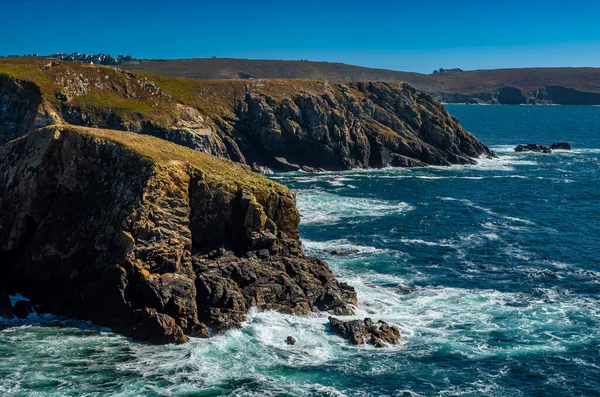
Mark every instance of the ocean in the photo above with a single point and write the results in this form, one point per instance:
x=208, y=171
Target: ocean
x=491, y=271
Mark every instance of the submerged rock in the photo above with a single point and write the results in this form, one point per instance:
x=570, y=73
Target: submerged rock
x=560, y=146
x=290, y=340
x=344, y=252
x=150, y=238
x=360, y=332
x=532, y=147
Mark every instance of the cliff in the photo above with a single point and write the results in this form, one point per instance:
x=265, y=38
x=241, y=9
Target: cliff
x=268, y=124
x=150, y=238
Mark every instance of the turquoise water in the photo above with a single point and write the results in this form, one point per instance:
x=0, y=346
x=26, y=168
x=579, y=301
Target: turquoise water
x=491, y=271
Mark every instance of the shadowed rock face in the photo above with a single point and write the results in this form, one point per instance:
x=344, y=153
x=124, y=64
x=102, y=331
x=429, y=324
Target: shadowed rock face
x=19, y=101
x=359, y=125
x=6, y=309
x=560, y=146
x=157, y=244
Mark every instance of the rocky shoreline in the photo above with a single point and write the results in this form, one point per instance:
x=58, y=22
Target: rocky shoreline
x=149, y=238
x=103, y=219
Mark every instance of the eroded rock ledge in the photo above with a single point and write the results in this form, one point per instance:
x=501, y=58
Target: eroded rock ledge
x=155, y=240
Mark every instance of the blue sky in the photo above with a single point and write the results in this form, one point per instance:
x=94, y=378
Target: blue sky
x=403, y=35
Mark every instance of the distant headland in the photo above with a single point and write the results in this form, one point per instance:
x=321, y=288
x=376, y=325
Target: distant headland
x=531, y=86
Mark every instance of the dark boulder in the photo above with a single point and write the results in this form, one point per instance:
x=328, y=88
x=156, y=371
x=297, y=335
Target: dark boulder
x=6, y=309
x=360, y=332
x=158, y=328
x=344, y=252
x=532, y=147
x=290, y=340
x=23, y=309
x=560, y=146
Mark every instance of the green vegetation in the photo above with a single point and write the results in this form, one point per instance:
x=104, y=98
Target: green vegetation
x=217, y=172
x=134, y=96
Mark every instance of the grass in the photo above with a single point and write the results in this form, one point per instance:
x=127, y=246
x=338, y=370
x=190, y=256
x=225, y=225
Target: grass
x=217, y=172
x=126, y=93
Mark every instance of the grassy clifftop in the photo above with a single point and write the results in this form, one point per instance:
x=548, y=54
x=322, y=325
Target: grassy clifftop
x=140, y=94
x=217, y=172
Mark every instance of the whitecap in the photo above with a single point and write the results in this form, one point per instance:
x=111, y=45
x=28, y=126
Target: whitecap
x=444, y=243
x=341, y=247
x=489, y=211
x=324, y=207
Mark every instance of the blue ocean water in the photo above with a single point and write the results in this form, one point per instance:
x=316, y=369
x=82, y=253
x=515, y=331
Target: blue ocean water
x=491, y=271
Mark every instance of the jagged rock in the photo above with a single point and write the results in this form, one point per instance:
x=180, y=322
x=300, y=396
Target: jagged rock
x=158, y=328
x=532, y=147
x=23, y=308
x=344, y=252
x=150, y=238
x=19, y=101
x=360, y=332
x=6, y=309
x=290, y=340
x=560, y=146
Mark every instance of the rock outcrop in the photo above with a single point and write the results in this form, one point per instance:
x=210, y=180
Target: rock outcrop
x=532, y=147
x=560, y=146
x=19, y=102
x=360, y=332
x=155, y=240
x=267, y=124
x=290, y=340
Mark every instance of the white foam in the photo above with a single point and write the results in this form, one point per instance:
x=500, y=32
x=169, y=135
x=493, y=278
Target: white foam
x=323, y=207
x=429, y=243
x=342, y=245
x=489, y=211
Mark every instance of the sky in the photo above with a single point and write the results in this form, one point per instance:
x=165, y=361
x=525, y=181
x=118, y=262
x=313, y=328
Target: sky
x=413, y=35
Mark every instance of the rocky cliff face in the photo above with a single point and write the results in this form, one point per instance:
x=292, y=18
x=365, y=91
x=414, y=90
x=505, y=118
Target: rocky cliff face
x=150, y=238
x=268, y=124
x=361, y=125
x=19, y=102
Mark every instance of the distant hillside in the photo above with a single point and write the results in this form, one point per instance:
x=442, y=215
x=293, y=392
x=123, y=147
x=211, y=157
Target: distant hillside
x=571, y=86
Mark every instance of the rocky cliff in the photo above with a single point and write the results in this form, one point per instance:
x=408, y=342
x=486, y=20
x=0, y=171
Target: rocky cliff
x=150, y=238
x=268, y=124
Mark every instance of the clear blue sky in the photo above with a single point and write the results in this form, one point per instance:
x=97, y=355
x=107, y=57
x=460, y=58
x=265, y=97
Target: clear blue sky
x=402, y=35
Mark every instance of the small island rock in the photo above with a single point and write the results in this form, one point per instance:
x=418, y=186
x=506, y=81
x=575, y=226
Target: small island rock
x=560, y=146
x=290, y=340
x=532, y=147
x=360, y=332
